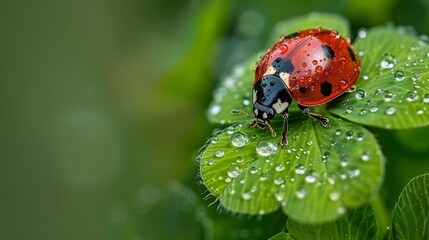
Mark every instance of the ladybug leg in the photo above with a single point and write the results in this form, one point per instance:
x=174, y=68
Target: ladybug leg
x=283, y=141
x=324, y=121
x=253, y=124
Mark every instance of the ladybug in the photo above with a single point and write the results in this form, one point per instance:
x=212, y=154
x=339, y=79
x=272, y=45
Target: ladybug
x=311, y=67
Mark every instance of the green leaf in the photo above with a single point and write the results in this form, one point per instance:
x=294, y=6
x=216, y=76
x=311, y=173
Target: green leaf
x=319, y=174
x=281, y=236
x=393, y=88
x=312, y=20
x=411, y=213
x=357, y=224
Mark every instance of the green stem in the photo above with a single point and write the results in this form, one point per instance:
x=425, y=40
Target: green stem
x=383, y=216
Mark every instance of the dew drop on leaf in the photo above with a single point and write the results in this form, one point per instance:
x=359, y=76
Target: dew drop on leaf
x=399, y=75
x=426, y=98
x=354, y=172
x=366, y=155
x=373, y=109
x=412, y=96
x=279, y=167
x=253, y=170
x=239, y=139
x=349, y=109
x=311, y=177
x=388, y=96
x=349, y=135
x=233, y=171
x=388, y=61
x=301, y=193
x=240, y=159
x=300, y=169
x=246, y=195
x=360, y=93
x=279, y=194
x=279, y=180
x=338, y=132
x=334, y=196
x=416, y=76
x=219, y=153
x=345, y=160
x=263, y=176
x=211, y=161
x=390, y=110
x=359, y=136
x=266, y=147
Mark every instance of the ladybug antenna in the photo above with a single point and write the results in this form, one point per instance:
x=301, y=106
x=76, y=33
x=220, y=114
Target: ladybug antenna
x=238, y=111
x=273, y=133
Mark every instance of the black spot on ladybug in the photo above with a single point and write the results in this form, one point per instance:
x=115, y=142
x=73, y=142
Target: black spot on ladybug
x=352, y=54
x=329, y=53
x=292, y=35
x=326, y=88
x=302, y=89
x=283, y=65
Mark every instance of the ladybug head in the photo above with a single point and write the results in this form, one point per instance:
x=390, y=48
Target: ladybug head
x=262, y=117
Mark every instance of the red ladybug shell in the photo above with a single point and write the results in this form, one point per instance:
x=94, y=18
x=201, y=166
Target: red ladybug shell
x=321, y=64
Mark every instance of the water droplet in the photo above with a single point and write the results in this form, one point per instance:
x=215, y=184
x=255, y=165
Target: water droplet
x=343, y=84
x=279, y=180
x=373, y=109
x=378, y=91
x=366, y=155
x=388, y=61
x=219, y=153
x=311, y=177
x=334, y=196
x=390, y=110
x=365, y=76
x=388, y=96
x=263, y=176
x=349, y=135
x=233, y=171
x=283, y=48
x=253, y=170
x=301, y=193
x=215, y=109
x=362, y=33
x=349, y=109
x=300, y=169
x=309, y=143
x=230, y=130
x=246, y=102
x=228, y=180
x=426, y=98
x=239, y=139
x=420, y=112
x=360, y=93
x=214, y=140
x=266, y=147
x=354, y=172
x=279, y=194
x=319, y=69
x=246, y=195
x=279, y=167
x=338, y=132
x=341, y=210
x=412, y=96
x=345, y=160
x=399, y=75
x=416, y=76
x=240, y=159
x=211, y=161
x=359, y=136
x=325, y=155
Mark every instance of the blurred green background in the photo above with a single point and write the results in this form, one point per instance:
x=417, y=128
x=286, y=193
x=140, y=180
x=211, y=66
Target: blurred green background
x=103, y=109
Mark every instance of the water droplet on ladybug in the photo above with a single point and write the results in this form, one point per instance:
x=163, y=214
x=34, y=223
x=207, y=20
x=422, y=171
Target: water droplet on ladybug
x=319, y=69
x=283, y=48
x=304, y=65
x=314, y=62
x=343, y=84
x=272, y=83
